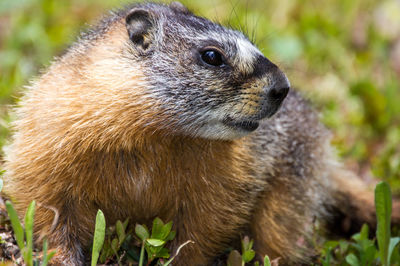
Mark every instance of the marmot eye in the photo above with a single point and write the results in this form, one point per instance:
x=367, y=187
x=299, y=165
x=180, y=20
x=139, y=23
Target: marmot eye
x=212, y=57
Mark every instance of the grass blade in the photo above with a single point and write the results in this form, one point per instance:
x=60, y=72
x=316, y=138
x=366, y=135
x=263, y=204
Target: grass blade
x=267, y=262
x=99, y=234
x=119, y=228
x=141, y=259
x=51, y=255
x=16, y=224
x=44, y=251
x=393, y=243
x=46, y=256
x=29, y=218
x=383, y=205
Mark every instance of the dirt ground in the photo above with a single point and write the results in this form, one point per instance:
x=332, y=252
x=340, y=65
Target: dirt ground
x=9, y=250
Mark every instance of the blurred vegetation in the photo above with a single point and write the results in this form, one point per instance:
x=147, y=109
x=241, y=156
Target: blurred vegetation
x=345, y=55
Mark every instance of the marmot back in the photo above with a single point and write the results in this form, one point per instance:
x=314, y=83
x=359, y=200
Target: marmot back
x=159, y=113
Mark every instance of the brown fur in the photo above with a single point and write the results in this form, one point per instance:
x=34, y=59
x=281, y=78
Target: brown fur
x=95, y=132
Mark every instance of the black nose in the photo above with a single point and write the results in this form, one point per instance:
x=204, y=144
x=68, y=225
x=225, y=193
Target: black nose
x=279, y=87
x=277, y=94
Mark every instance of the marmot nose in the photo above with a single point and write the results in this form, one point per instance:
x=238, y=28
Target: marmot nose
x=277, y=94
x=278, y=84
x=279, y=89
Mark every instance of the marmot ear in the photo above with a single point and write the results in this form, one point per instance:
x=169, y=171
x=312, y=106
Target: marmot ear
x=179, y=7
x=139, y=24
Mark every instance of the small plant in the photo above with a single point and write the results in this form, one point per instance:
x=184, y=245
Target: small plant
x=247, y=250
x=110, y=243
x=383, y=204
x=25, y=240
x=154, y=244
x=366, y=249
x=267, y=262
x=248, y=254
x=116, y=238
x=98, y=239
x=362, y=250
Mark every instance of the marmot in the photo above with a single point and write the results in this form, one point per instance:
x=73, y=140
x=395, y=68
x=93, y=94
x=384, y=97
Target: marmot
x=157, y=112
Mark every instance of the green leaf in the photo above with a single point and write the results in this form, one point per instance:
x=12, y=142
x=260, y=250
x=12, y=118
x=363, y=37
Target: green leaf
x=370, y=254
x=166, y=229
x=234, y=258
x=155, y=242
x=125, y=224
x=141, y=259
x=156, y=231
x=267, y=262
x=171, y=236
x=247, y=252
x=248, y=255
x=99, y=234
x=51, y=255
x=326, y=260
x=356, y=237
x=106, y=251
x=364, y=232
x=393, y=242
x=29, y=218
x=16, y=224
x=44, y=251
x=250, y=244
x=114, y=245
x=151, y=251
x=328, y=246
x=163, y=253
x=46, y=256
x=142, y=232
x=383, y=204
x=352, y=260
x=246, y=244
x=119, y=227
x=343, y=247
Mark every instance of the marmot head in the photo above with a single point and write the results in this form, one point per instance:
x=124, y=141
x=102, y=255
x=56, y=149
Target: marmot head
x=208, y=81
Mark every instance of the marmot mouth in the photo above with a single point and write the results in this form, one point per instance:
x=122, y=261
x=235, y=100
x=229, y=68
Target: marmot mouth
x=246, y=125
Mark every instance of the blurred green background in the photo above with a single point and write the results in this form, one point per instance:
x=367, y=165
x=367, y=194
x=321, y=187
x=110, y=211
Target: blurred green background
x=344, y=55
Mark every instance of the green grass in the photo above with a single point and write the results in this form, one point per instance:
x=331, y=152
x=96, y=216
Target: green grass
x=361, y=250
x=118, y=248
x=24, y=236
